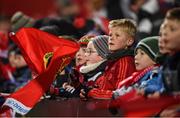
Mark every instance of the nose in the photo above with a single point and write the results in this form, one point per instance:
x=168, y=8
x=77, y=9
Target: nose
x=111, y=37
x=164, y=34
x=136, y=56
x=86, y=54
x=161, y=41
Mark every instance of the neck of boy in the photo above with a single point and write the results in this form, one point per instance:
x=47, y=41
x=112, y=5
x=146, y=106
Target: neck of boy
x=120, y=53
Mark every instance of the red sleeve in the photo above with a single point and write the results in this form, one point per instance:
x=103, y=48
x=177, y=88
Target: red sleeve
x=100, y=93
x=126, y=68
x=122, y=69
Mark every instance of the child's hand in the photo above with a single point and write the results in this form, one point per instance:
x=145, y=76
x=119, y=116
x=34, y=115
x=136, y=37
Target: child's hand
x=65, y=85
x=171, y=111
x=168, y=113
x=154, y=95
x=83, y=94
x=140, y=92
x=70, y=88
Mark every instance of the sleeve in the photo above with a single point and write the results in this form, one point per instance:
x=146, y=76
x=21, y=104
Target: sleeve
x=125, y=69
x=100, y=93
x=154, y=84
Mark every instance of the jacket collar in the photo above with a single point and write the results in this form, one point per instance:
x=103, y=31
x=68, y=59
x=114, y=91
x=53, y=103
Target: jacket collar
x=89, y=68
x=120, y=53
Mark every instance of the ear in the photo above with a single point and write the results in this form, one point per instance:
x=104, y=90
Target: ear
x=130, y=41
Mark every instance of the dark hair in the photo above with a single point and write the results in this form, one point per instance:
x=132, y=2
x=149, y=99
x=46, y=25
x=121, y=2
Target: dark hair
x=89, y=26
x=14, y=49
x=63, y=27
x=51, y=29
x=173, y=14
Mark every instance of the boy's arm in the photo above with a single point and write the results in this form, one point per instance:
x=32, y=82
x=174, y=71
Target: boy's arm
x=153, y=84
x=126, y=68
x=100, y=93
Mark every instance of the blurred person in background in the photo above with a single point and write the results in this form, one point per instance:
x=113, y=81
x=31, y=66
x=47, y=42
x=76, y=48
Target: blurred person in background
x=68, y=8
x=169, y=44
x=21, y=73
x=72, y=84
x=4, y=39
x=4, y=24
x=96, y=10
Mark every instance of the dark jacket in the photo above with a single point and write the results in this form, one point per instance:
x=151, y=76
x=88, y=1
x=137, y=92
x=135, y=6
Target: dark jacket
x=171, y=73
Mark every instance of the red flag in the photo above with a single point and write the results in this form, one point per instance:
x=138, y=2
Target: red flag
x=25, y=98
x=35, y=44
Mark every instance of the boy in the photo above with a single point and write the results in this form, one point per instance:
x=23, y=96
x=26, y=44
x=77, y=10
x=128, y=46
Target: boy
x=169, y=36
x=21, y=73
x=74, y=78
x=170, y=31
x=95, y=56
x=96, y=53
x=146, y=78
x=120, y=60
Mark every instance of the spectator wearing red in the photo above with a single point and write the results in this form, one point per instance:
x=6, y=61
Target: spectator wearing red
x=120, y=60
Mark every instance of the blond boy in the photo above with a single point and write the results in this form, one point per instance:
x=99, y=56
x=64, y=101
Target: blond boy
x=120, y=60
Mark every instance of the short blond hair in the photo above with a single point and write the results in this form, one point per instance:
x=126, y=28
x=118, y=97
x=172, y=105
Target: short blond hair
x=127, y=25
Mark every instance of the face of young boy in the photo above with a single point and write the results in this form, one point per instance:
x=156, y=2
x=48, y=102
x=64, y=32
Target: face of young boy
x=142, y=60
x=12, y=59
x=162, y=48
x=170, y=35
x=91, y=54
x=80, y=56
x=20, y=62
x=118, y=39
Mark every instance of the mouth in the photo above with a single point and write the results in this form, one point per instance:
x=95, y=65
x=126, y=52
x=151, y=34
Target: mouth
x=136, y=63
x=111, y=44
x=79, y=59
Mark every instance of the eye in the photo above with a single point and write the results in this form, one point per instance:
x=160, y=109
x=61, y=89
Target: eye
x=172, y=29
x=84, y=49
x=142, y=53
x=139, y=52
x=87, y=50
x=117, y=35
x=135, y=53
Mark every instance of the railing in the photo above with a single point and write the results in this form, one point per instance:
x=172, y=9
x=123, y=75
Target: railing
x=72, y=107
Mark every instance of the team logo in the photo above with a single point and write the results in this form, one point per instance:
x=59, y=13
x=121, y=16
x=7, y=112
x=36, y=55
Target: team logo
x=64, y=60
x=47, y=58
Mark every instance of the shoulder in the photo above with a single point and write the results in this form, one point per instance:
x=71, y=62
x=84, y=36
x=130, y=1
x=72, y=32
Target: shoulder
x=126, y=60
